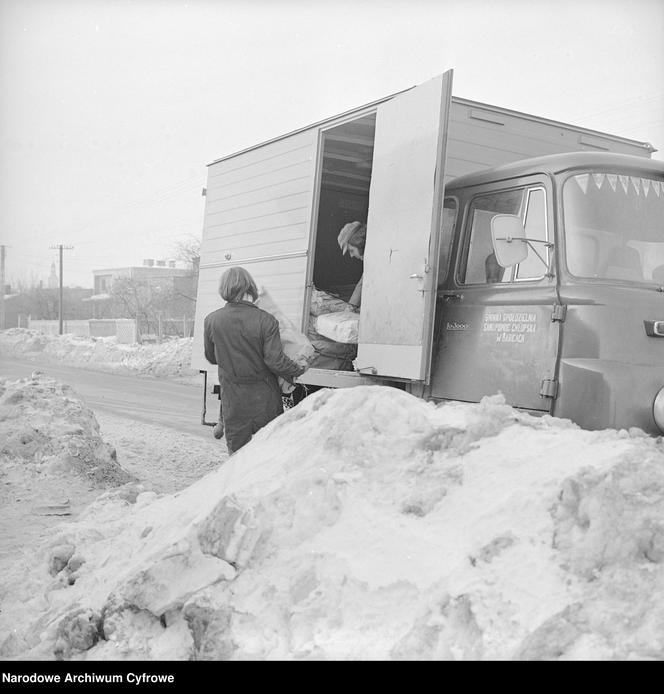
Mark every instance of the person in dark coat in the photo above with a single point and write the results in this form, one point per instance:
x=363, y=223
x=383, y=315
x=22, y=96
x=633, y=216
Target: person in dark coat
x=244, y=342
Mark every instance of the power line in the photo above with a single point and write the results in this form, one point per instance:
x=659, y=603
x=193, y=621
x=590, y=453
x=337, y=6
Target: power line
x=158, y=197
x=622, y=105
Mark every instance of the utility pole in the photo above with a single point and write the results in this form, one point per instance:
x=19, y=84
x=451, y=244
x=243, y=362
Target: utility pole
x=2, y=287
x=61, y=247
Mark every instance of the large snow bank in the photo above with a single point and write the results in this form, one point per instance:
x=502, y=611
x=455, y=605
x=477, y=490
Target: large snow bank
x=367, y=524
x=45, y=427
x=171, y=358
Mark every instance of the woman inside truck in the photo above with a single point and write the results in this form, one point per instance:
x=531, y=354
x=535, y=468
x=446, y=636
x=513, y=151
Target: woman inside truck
x=352, y=238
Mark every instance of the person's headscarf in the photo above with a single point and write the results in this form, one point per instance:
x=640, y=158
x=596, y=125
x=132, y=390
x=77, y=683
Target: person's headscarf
x=354, y=234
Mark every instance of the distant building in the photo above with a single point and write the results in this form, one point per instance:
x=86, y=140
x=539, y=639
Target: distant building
x=12, y=312
x=159, y=278
x=159, y=274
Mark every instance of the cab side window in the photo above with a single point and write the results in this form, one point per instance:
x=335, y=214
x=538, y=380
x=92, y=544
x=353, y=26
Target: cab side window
x=481, y=266
x=534, y=267
x=448, y=223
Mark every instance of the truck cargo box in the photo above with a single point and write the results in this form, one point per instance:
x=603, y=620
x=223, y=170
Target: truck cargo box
x=276, y=209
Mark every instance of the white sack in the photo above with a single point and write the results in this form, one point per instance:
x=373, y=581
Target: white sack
x=322, y=302
x=340, y=327
x=296, y=344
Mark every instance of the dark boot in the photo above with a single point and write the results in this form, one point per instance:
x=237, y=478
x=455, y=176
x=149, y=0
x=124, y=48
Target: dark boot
x=218, y=431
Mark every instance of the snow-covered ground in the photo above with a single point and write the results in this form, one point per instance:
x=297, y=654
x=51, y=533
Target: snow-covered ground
x=170, y=359
x=362, y=524
x=56, y=456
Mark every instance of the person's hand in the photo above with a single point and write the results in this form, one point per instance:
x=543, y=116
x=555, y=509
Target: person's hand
x=302, y=362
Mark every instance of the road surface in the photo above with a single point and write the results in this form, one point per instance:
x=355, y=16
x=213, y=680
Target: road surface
x=160, y=402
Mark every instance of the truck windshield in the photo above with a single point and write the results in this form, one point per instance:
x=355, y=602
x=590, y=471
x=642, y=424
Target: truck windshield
x=614, y=226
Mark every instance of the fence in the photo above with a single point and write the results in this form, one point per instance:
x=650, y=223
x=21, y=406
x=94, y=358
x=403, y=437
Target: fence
x=156, y=330
x=122, y=328
x=127, y=330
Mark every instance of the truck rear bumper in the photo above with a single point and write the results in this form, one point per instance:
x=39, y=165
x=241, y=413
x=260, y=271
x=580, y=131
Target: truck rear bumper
x=329, y=378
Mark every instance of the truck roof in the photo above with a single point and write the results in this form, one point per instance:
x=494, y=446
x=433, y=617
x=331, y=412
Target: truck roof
x=465, y=102
x=557, y=163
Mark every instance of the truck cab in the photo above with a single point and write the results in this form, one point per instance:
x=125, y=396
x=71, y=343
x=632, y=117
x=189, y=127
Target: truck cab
x=551, y=289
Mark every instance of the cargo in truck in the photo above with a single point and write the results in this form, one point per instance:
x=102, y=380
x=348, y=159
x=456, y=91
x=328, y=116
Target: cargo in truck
x=495, y=246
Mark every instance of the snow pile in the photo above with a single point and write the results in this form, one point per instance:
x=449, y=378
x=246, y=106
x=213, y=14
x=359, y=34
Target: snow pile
x=367, y=524
x=46, y=428
x=168, y=359
x=53, y=462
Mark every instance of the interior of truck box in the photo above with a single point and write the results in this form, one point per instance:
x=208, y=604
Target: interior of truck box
x=343, y=198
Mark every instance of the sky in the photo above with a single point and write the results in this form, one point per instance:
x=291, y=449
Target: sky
x=111, y=110
x=362, y=524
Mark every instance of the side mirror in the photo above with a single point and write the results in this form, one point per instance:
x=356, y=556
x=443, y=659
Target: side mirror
x=508, y=238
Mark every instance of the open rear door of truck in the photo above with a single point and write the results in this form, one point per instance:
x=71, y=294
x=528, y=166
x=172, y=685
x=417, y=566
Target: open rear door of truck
x=401, y=254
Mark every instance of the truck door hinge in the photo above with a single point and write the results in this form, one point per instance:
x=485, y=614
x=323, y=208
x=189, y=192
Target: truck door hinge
x=549, y=388
x=559, y=312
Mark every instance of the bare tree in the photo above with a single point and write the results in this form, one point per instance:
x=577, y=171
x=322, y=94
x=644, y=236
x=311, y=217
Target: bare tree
x=139, y=299
x=188, y=250
x=44, y=303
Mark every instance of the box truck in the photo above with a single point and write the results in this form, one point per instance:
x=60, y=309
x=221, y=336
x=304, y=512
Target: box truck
x=504, y=253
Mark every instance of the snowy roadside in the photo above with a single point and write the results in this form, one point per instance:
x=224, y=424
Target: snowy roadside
x=170, y=359
x=163, y=460
x=44, y=427
x=362, y=524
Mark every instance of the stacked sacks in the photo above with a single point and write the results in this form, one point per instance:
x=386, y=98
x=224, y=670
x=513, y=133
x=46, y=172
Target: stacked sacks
x=322, y=302
x=330, y=354
x=335, y=350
